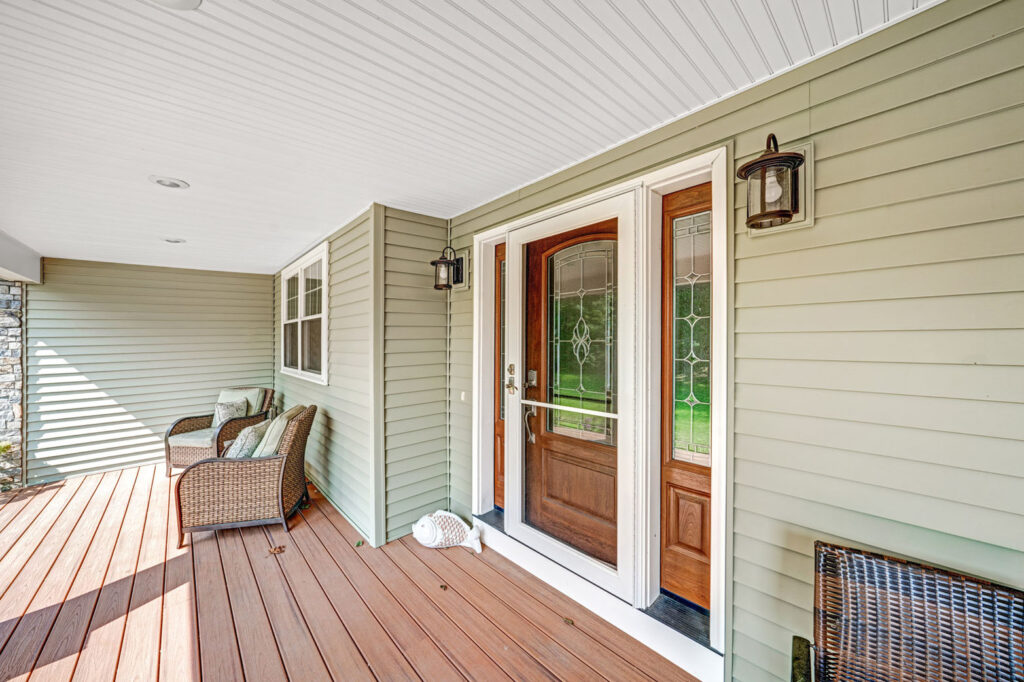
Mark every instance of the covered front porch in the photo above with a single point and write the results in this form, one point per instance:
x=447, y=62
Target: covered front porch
x=93, y=587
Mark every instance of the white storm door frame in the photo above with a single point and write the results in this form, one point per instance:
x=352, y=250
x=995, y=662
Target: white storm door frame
x=623, y=206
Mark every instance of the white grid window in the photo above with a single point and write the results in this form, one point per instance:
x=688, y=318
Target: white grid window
x=304, y=316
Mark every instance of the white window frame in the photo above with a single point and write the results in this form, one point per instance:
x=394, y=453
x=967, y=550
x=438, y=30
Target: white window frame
x=320, y=253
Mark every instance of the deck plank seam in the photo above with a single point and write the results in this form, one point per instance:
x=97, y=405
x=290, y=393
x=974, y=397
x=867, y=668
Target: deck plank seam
x=512, y=641
x=134, y=573
x=248, y=561
x=71, y=582
x=264, y=531
x=401, y=598
x=356, y=590
x=417, y=551
x=512, y=604
x=423, y=593
x=103, y=583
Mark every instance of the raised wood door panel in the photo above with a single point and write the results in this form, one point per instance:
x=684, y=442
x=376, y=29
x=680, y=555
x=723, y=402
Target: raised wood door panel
x=570, y=462
x=685, y=419
x=499, y=376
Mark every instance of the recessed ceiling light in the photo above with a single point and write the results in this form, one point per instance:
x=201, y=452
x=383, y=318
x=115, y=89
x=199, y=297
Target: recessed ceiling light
x=174, y=240
x=179, y=4
x=172, y=183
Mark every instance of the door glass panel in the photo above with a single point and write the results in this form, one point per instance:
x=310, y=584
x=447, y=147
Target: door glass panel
x=581, y=339
x=691, y=342
x=501, y=334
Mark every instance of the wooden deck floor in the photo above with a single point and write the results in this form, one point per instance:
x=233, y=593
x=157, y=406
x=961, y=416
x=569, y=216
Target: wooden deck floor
x=92, y=587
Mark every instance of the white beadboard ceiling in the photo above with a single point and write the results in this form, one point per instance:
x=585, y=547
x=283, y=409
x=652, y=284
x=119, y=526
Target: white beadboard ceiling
x=289, y=117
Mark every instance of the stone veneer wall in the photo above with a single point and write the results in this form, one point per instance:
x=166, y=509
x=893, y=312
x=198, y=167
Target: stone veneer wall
x=11, y=297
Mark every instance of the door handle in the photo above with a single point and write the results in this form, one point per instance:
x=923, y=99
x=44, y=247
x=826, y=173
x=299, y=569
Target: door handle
x=531, y=411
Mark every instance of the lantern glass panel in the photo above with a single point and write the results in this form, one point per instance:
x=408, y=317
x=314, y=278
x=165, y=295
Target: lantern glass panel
x=441, y=275
x=770, y=190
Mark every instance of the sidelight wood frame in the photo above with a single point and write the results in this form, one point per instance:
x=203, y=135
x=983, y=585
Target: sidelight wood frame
x=711, y=165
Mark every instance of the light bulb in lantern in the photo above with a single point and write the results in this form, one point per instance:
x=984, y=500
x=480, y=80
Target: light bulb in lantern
x=772, y=189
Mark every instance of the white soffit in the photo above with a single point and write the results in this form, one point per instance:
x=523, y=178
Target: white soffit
x=288, y=117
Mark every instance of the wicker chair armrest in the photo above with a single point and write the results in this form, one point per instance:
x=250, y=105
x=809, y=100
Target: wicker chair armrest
x=218, y=490
x=187, y=424
x=230, y=429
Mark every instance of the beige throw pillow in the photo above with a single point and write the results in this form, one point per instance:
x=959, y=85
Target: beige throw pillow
x=272, y=439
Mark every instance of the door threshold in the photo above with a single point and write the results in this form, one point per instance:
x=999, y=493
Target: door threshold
x=494, y=518
x=693, y=657
x=683, y=617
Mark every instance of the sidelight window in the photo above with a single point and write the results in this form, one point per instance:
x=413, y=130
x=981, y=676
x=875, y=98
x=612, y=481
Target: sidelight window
x=691, y=332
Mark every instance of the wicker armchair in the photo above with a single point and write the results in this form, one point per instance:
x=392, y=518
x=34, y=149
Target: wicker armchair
x=881, y=618
x=184, y=455
x=234, y=493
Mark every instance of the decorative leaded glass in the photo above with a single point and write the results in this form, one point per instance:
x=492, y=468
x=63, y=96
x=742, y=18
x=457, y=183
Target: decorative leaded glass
x=581, y=339
x=691, y=399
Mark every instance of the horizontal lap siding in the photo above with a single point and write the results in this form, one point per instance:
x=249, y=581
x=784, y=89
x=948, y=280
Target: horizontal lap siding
x=117, y=352
x=339, y=454
x=878, y=365
x=415, y=339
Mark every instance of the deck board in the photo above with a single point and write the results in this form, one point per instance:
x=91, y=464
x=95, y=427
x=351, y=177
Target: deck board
x=95, y=588
x=61, y=650
x=216, y=621
x=102, y=649
x=303, y=659
x=256, y=643
x=324, y=545
x=29, y=635
x=32, y=560
x=461, y=649
x=140, y=648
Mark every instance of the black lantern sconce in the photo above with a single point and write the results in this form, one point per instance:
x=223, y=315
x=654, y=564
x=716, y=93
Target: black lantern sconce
x=447, y=270
x=773, y=181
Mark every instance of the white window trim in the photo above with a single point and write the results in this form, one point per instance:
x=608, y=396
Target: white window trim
x=319, y=253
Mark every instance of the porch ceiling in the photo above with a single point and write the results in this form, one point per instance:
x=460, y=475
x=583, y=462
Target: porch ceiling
x=290, y=116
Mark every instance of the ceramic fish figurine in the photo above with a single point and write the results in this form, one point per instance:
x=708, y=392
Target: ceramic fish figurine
x=444, y=529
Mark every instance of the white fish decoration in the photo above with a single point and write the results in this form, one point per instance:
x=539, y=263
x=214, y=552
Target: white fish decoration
x=444, y=529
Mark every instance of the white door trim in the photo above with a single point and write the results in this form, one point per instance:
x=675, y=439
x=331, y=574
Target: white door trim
x=622, y=206
x=711, y=165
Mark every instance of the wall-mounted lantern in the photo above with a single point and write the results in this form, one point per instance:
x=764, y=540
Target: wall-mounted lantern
x=773, y=195
x=447, y=269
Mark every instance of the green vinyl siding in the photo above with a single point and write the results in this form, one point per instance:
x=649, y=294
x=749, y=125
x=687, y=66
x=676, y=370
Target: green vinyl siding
x=115, y=353
x=415, y=385
x=379, y=450
x=340, y=451
x=877, y=371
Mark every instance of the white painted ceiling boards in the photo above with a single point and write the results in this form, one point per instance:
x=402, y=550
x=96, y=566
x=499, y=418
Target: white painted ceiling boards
x=288, y=117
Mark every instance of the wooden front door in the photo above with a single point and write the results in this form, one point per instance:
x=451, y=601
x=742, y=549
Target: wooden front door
x=499, y=375
x=570, y=341
x=686, y=395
